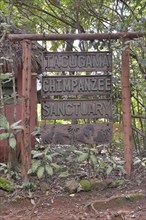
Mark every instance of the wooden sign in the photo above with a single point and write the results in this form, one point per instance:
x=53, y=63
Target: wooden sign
x=78, y=61
x=77, y=134
x=76, y=85
x=75, y=109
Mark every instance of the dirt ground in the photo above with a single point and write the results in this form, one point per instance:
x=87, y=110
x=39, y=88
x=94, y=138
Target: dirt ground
x=55, y=203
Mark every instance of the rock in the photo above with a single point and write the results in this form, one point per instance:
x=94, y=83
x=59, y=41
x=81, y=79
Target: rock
x=44, y=187
x=6, y=185
x=85, y=185
x=71, y=186
x=116, y=183
x=98, y=184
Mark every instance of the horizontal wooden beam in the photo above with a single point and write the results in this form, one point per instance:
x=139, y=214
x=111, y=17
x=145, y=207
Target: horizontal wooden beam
x=96, y=36
x=139, y=116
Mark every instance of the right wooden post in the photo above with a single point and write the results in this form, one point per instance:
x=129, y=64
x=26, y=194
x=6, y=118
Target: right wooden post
x=126, y=107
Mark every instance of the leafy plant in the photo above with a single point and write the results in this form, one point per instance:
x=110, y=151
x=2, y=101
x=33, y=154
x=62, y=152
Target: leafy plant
x=140, y=161
x=42, y=163
x=10, y=173
x=9, y=130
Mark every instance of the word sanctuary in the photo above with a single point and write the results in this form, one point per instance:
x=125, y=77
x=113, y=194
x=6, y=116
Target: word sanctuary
x=76, y=109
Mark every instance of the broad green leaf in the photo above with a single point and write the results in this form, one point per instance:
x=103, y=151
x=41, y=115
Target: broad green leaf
x=56, y=166
x=4, y=136
x=72, y=148
x=3, y=164
x=34, y=152
x=16, y=125
x=12, y=142
x=37, y=154
x=70, y=158
x=40, y=172
x=78, y=152
x=35, y=165
x=121, y=168
x=49, y=169
x=46, y=150
x=48, y=157
x=138, y=2
x=137, y=161
x=82, y=157
x=109, y=170
x=64, y=174
x=4, y=122
x=93, y=158
x=102, y=164
x=142, y=62
x=143, y=163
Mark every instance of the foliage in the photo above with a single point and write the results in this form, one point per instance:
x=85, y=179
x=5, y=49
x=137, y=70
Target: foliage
x=8, y=130
x=42, y=163
x=140, y=161
x=10, y=173
x=71, y=160
x=83, y=16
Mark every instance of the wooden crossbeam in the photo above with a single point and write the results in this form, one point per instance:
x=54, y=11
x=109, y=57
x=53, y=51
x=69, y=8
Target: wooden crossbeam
x=83, y=36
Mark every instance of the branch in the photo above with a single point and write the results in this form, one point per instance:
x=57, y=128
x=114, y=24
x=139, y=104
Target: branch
x=45, y=12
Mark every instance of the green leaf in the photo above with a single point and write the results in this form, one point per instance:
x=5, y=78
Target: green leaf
x=46, y=150
x=40, y=172
x=138, y=2
x=109, y=170
x=82, y=157
x=35, y=165
x=4, y=136
x=3, y=164
x=93, y=159
x=49, y=169
x=142, y=62
x=64, y=174
x=143, y=163
x=48, y=157
x=56, y=166
x=72, y=148
x=4, y=124
x=16, y=125
x=121, y=168
x=137, y=161
x=12, y=142
x=37, y=154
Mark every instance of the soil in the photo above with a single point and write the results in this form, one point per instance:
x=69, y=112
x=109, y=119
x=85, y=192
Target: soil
x=54, y=203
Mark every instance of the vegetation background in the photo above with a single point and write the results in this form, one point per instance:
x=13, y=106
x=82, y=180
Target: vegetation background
x=90, y=16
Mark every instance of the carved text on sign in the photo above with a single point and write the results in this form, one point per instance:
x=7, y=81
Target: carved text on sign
x=78, y=61
x=76, y=85
x=77, y=134
x=72, y=109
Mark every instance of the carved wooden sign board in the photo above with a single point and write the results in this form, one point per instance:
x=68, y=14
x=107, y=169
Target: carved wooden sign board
x=76, y=109
x=77, y=134
x=78, y=61
x=76, y=85
x=73, y=107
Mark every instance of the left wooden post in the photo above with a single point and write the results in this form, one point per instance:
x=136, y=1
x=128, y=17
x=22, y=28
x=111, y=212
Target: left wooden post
x=26, y=106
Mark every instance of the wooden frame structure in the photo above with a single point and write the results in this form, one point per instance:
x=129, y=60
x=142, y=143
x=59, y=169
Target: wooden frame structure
x=26, y=44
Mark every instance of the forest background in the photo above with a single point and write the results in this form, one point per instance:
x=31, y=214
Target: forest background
x=91, y=16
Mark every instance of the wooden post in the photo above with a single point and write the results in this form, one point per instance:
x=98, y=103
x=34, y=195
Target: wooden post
x=26, y=92
x=126, y=108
